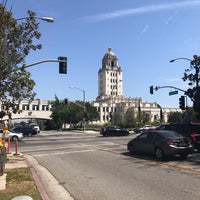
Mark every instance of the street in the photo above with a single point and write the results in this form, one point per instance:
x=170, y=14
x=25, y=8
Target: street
x=90, y=167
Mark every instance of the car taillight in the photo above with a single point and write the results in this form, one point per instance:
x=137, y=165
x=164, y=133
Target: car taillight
x=193, y=137
x=170, y=142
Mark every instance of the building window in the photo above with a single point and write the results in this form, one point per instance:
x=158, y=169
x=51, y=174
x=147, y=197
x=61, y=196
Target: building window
x=107, y=117
x=45, y=107
x=25, y=107
x=35, y=107
x=112, y=63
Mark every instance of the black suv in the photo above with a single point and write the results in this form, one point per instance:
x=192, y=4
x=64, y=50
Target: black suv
x=113, y=130
x=26, y=130
x=190, y=130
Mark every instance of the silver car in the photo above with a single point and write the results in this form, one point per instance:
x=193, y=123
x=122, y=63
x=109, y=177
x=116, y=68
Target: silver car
x=13, y=135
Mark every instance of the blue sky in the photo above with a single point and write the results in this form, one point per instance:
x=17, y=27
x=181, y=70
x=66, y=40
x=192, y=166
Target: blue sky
x=143, y=34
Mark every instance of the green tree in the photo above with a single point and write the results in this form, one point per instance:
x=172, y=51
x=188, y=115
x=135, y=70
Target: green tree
x=118, y=120
x=129, y=118
x=57, y=113
x=16, y=42
x=193, y=78
x=175, y=117
x=92, y=113
x=72, y=113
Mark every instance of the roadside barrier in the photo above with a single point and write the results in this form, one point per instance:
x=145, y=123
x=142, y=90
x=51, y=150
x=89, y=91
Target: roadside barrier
x=8, y=147
x=16, y=147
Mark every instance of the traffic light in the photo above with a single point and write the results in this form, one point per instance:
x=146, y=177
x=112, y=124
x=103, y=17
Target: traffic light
x=62, y=65
x=85, y=114
x=151, y=89
x=66, y=101
x=182, y=102
x=111, y=116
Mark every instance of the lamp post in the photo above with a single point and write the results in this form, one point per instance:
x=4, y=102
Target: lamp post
x=173, y=60
x=84, y=108
x=47, y=19
x=193, y=93
x=196, y=65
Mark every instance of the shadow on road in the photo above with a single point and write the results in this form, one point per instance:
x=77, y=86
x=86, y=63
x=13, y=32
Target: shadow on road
x=193, y=159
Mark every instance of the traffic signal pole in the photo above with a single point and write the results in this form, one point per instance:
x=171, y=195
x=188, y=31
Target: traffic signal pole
x=50, y=60
x=39, y=62
x=160, y=87
x=182, y=99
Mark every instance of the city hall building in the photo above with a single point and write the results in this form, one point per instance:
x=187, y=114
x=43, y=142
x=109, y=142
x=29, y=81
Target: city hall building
x=110, y=100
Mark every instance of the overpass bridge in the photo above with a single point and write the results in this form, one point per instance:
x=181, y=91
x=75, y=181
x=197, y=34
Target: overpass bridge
x=34, y=114
x=36, y=109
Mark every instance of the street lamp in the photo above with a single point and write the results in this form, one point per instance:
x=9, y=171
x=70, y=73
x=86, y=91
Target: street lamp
x=195, y=63
x=173, y=60
x=84, y=108
x=47, y=19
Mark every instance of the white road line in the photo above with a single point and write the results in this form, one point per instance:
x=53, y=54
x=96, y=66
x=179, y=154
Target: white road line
x=61, y=153
x=70, y=146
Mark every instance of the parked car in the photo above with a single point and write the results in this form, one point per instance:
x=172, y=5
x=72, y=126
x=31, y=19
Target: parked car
x=113, y=130
x=26, y=130
x=161, y=143
x=144, y=128
x=13, y=135
x=191, y=130
x=36, y=127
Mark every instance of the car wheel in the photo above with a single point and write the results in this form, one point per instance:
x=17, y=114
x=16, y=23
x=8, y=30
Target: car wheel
x=30, y=135
x=14, y=138
x=159, y=153
x=197, y=148
x=183, y=155
x=131, y=148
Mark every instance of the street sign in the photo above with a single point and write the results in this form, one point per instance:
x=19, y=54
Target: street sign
x=173, y=92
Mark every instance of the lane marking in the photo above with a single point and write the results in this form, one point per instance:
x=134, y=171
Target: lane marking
x=62, y=153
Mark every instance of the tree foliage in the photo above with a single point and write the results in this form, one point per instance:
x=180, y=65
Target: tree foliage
x=17, y=39
x=193, y=77
x=72, y=113
x=129, y=118
x=175, y=117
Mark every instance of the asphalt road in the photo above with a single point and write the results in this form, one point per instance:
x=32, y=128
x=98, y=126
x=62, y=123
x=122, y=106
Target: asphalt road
x=92, y=167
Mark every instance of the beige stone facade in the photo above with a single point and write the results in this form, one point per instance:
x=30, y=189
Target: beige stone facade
x=110, y=94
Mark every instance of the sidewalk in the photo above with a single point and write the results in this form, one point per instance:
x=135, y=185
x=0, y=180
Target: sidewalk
x=46, y=184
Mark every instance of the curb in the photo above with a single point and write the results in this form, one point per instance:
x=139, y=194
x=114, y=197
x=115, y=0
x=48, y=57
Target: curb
x=46, y=182
x=37, y=181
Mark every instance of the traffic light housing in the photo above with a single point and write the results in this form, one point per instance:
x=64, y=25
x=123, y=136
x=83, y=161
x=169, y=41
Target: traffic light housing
x=151, y=89
x=111, y=116
x=182, y=102
x=62, y=65
x=65, y=101
x=85, y=114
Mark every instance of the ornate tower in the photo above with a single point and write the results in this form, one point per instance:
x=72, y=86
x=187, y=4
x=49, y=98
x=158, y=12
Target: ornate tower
x=109, y=77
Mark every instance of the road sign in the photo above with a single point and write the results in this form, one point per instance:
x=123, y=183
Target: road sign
x=173, y=92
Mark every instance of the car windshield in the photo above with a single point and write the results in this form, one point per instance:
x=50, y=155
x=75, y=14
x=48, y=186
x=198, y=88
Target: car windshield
x=170, y=134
